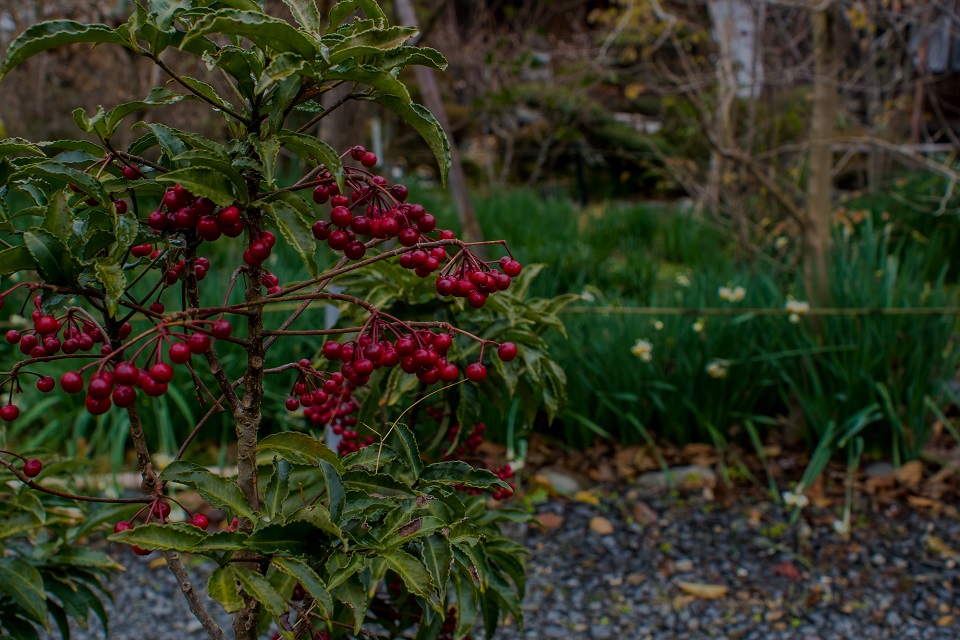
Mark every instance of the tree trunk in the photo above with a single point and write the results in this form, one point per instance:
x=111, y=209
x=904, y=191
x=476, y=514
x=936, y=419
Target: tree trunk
x=430, y=91
x=816, y=232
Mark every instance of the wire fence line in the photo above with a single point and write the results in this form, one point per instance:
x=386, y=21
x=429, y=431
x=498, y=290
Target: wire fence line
x=763, y=311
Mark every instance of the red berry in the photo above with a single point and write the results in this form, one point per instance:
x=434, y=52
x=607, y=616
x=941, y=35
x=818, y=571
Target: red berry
x=228, y=216
x=131, y=173
x=46, y=384
x=320, y=194
x=292, y=404
x=338, y=240
x=341, y=217
x=221, y=329
x=427, y=223
x=97, y=407
x=369, y=159
x=449, y=372
x=476, y=372
x=141, y=250
x=208, y=228
x=127, y=372
x=160, y=509
x=507, y=351
x=158, y=221
x=123, y=525
x=124, y=396
x=100, y=387
x=13, y=336
x=409, y=237
x=355, y=250
x=46, y=325
x=199, y=520
x=321, y=230
x=161, y=372
x=140, y=551
x=120, y=206
x=357, y=152
x=331, y=350
x=476, y=299
x=259, y=250
x=199, y=343
x=71, y=382
x=510, y=266
x=9, y=413
x=179, y=353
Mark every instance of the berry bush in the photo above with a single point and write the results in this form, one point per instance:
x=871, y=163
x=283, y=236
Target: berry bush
x=320, y=543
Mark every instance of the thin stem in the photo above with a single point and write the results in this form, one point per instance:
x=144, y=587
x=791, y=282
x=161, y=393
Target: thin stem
x=190, y=593
x=173, y=74
x=69, y=496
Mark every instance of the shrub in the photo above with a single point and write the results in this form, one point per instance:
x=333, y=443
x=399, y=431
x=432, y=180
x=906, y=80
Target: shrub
x=318, y=544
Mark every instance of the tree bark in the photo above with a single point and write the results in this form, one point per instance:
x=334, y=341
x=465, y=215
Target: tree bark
x=430, y=90
x=816, y=232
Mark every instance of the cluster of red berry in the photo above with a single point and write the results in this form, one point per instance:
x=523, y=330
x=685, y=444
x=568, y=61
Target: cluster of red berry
x=466, y=276
x=159, y=510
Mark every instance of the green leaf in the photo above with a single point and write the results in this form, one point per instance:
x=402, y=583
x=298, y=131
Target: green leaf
x=52, y=256
x=58, y=172
x=306, y=14
x=309, y=580
x=213, y=161
x=218, y=491
x=221, y=541
x=437, y=556
x=158, y=96
x=277, y=488
x=310, y=148
x=299, y=448
x=114, y=280
x=354, y=593
x=426, y=125
x=166, y=12
x=177, y=536
x=460, y=473
x=467, y=603
x=383, y=82
x=222, y=587
x=422, y=56
x=336, y=494
x=370, y=42
x=414, y=575
x=56, y=33
x=21, y=581
x=287, y=211
x=257, y=27
x=201, y=181
x=260, y=590
x=16, y=146
x=206, y=91
x=281, y=67
x=380, y=484
x=15, y=260
x=57, y=219
x=297, y=537
x=170, y=140
x=319, y=516
x=410, y=453
x=268, y=150
x=342, y=10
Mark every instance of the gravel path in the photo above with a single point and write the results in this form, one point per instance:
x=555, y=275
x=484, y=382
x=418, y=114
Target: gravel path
x=893, y=579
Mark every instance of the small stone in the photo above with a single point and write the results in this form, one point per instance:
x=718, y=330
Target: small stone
x=684, y=565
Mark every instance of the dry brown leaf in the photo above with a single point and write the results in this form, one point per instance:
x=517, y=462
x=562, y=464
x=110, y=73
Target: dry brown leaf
x=703, y=590
x=643, y=513
x=938, y=546
x=601, y=525
x=945, y=621
x=919, y=502
x=679, y=602
x=550, y=520
x=910, y=474
x=157, y=563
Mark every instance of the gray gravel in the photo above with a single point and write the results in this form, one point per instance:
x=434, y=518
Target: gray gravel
x=792, y=584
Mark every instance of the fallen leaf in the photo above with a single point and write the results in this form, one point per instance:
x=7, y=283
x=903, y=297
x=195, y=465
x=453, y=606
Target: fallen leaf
x=919, y=502
x=938, y=546
x=702, y=590
x=636, y=579
x=788, y=570
x=910, y=474
x=945, y=621
x=157, y=563
x=643, y=513
x=550, y=520
x=601, y=526
x=586, y=496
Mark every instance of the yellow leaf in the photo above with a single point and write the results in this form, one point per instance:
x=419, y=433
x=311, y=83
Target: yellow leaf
x=601, y=526
x=586, y=496
x=634, y=90
x=938, y=546
x=701, y=590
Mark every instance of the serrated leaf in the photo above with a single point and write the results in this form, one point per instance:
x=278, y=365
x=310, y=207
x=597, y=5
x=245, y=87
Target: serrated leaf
x=114, y=280
x=414, y=575
x=158, y=96
x=410, y=453
x=319, y=516
x=310, y=148
x=342, y=10
x=278, y=488
x=218, y=491
x=380, y=483
x=296, y=537
x=437, y=556
x=336, y=494
x=166, y=12
x=161, y=537
x=299, y=448
x=281, y=67
x=15, y=260
x=260, y=590
x=16, y=146
x=221, y=541
x=295, y=227
x=206, y=91
x=309, y=580
x=421, y=56
x=467, y=604
x=426, y=125
x=53, y=258
x=21, y=581
x=222, y=587
x=170, y=139
x=201, y=181
x=58, y=172
x=354, y=593
x=268, y=150
x=212, y=161
x=370, y=42
x=56, y=33
x=306, y=14
x=460, y=473
x=263, y=30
